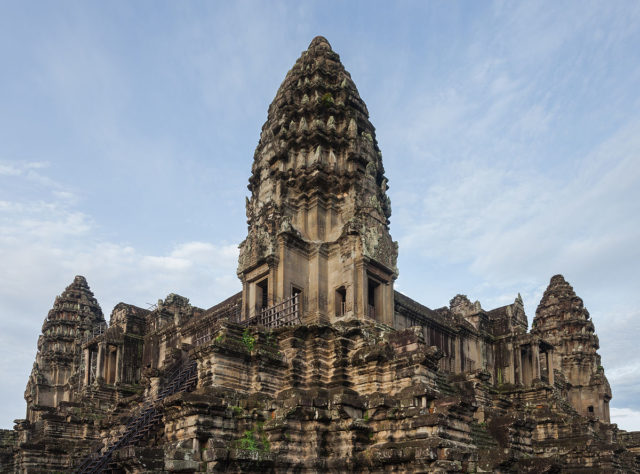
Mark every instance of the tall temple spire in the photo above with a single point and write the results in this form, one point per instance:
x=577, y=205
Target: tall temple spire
x=318, y=216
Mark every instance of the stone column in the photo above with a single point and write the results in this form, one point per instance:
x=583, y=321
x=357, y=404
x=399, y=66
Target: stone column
x=87, y=366
x=360, y=289
x=118, y=376
x=535, y=359
x=100, y=362
x=517, y=364
x=108, y=362
x=280, y=281
x=457, y=355
x=387, y=304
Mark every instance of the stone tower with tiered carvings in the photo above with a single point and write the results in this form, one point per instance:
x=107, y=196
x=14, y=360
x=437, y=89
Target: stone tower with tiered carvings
x=318, y=365
x=54, y=377
x=562, y=320
x=318, y=214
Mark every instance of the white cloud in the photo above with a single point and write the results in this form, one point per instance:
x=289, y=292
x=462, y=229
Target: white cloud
x=9, y=170
x=43, y=244
x=23, y=168
x=508, y=225
x=626, y=418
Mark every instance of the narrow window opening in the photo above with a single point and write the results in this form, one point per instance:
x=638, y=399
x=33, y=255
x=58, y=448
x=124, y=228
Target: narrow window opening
x=590, y=408
x=262, y=294
x=372, y=291
x=544, y=367
x=341, y=301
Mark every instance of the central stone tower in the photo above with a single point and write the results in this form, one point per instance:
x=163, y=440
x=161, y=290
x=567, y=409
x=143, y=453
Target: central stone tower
x=318, y=216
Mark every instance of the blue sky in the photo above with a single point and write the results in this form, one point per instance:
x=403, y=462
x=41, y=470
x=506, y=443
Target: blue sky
x=510, y=134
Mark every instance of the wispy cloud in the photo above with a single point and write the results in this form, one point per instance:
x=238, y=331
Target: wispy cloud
x=626, y=418
x=523, y=164
x=46, y=243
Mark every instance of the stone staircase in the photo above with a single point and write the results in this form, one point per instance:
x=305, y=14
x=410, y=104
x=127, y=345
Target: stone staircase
x=481, y=437
x=443, y=384
x=184, y=378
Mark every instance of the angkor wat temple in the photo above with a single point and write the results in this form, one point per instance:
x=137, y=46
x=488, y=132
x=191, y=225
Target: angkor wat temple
x=318, y=365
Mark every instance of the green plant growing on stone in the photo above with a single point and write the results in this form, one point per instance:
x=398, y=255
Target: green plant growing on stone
x=271, y=340
x=254, y=441
x=248, y=340
x=327, y=99
x=219, y=339
x=266, y=445
x=237, y=411
x=248, y=441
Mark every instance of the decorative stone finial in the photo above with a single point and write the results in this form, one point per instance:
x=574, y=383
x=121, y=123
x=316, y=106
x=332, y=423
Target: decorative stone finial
x=319, y=42
x=557, y=280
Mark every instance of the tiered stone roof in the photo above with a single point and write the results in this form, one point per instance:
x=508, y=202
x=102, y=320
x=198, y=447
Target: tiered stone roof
x=54, y=376
x=318, y=123
x=560, y=308
x=74, y=312
x=317, y=143
x=562, y=320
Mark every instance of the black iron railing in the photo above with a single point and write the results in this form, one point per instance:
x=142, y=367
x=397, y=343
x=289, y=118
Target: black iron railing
x=182, y=379
x=286, y=313
x=95, y=332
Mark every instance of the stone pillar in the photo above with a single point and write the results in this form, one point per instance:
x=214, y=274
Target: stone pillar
x=273, y=297
x=108, y=362
x=312, y=310
x=100, y=362
x=535, y=359
x=387, y=304
x=517, y=364
x=457, y=355
x=359, y=291
x=280, y=281
x=87, y=366
x=245, y=311
x=118, y=376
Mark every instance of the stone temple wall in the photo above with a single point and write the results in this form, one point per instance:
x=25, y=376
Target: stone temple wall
x=350, y=396
x=318, y=365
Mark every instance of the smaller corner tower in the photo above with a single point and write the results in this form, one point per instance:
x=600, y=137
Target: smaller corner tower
x=318, y=216
x=562, y=320
x=55, y=374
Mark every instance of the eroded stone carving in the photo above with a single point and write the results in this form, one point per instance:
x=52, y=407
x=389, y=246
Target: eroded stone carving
x=360, y=379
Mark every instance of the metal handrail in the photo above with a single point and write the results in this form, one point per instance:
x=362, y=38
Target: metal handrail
x=95, y=332
x=182, y=379
x=285, y=313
